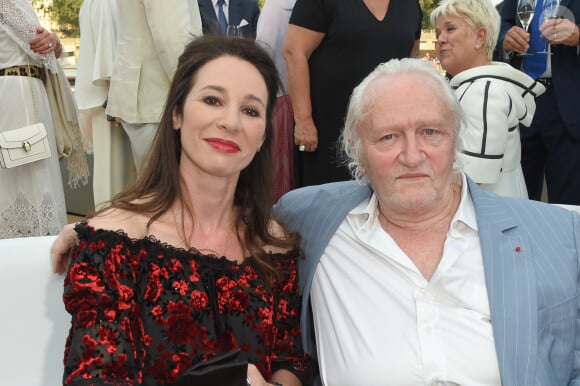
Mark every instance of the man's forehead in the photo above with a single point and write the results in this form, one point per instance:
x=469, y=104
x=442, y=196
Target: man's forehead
x=408, y=97
x=405, y=84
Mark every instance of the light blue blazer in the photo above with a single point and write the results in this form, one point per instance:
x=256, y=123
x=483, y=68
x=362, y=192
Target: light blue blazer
x=533, y=293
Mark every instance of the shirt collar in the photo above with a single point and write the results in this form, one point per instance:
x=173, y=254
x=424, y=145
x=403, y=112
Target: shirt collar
x=365, y=214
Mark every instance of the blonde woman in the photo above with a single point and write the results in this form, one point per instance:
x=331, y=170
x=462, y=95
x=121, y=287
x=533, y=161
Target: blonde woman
x=495, y=97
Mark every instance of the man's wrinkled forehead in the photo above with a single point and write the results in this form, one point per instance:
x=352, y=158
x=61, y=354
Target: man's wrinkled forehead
x=388, y=92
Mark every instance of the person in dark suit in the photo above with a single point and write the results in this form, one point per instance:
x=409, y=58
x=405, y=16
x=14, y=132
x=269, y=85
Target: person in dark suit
x=551, y=145
x=243, y=13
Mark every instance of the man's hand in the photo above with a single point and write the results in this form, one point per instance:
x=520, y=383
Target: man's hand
x=516, y=40
x=560, y=31
x=62, y=247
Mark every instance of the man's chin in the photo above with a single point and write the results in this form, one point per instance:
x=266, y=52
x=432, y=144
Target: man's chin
x=410, y=201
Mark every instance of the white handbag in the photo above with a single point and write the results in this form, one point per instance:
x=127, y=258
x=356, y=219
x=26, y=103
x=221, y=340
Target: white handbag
x=24, y=145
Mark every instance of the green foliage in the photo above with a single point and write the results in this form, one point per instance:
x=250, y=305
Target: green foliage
x=65, y=13
x=427, y=6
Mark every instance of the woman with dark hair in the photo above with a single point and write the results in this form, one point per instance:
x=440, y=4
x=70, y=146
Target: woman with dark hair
x=187, y=265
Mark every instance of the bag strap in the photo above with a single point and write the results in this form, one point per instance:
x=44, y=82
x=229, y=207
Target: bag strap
x=34, y=110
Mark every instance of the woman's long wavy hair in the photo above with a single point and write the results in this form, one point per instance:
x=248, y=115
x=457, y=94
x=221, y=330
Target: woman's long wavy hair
x=160, y=184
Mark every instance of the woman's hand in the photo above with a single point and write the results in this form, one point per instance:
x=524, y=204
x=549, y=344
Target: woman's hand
x=62, y=247
x=255, y=378
x=282, y=377
x=45, y=42
x=306, y=134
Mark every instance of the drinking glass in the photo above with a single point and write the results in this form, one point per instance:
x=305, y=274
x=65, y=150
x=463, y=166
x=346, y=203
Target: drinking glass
x=234, y=31
x=549, y=11
x=526, y=10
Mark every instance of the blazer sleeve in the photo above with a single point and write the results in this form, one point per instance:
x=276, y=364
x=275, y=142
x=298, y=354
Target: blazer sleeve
x=575, y=381
x=173, y=24
x=487, y=110
x=105, y=39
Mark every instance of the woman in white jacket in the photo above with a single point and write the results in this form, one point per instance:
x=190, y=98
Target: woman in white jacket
x=495, y=97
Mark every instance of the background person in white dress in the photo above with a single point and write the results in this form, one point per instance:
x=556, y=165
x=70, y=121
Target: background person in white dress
x=31, y=195
x=495, y=97
x=113, y=167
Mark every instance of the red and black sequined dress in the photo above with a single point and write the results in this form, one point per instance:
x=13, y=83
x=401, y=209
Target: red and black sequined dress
x=144, y=311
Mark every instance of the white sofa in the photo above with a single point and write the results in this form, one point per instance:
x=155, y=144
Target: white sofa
x=574, y=208
x=33, y=321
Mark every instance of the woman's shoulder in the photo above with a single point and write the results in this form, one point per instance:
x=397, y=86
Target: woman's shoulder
x=134, y=225
x=495, y=72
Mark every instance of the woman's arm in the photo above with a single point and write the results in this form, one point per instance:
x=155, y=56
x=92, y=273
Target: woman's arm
x=290, y=364
x=105, y=342
x=62, y=247
x=299, y=44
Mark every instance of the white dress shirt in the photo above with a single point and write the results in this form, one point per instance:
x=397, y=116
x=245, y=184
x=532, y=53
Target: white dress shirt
x=378, y=321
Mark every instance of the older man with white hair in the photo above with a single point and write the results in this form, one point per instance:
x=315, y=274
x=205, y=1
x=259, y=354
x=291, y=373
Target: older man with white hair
x=415, y=275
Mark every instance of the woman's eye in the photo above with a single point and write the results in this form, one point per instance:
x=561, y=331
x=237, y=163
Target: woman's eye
x=210, y=100
x=251, y=112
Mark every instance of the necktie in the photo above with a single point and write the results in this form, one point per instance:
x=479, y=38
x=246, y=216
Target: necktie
x=535, y=65
x=222, y=17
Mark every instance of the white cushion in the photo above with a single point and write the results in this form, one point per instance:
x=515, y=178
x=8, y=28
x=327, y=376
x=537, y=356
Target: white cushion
x=574, y=208
x=34, y=324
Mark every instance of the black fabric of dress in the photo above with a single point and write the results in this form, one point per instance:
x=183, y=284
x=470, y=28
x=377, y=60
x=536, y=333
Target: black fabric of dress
x=355, y=42
x=143, y=312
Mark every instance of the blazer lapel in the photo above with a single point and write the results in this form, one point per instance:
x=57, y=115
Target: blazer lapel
x=235, y=11
x=328, y=209
x=511, y=287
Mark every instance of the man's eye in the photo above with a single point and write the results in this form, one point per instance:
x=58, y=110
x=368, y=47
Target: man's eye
x=388, y=137
x=430, y=132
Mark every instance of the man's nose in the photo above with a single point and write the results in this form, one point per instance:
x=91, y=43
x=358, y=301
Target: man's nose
x=411, y=154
